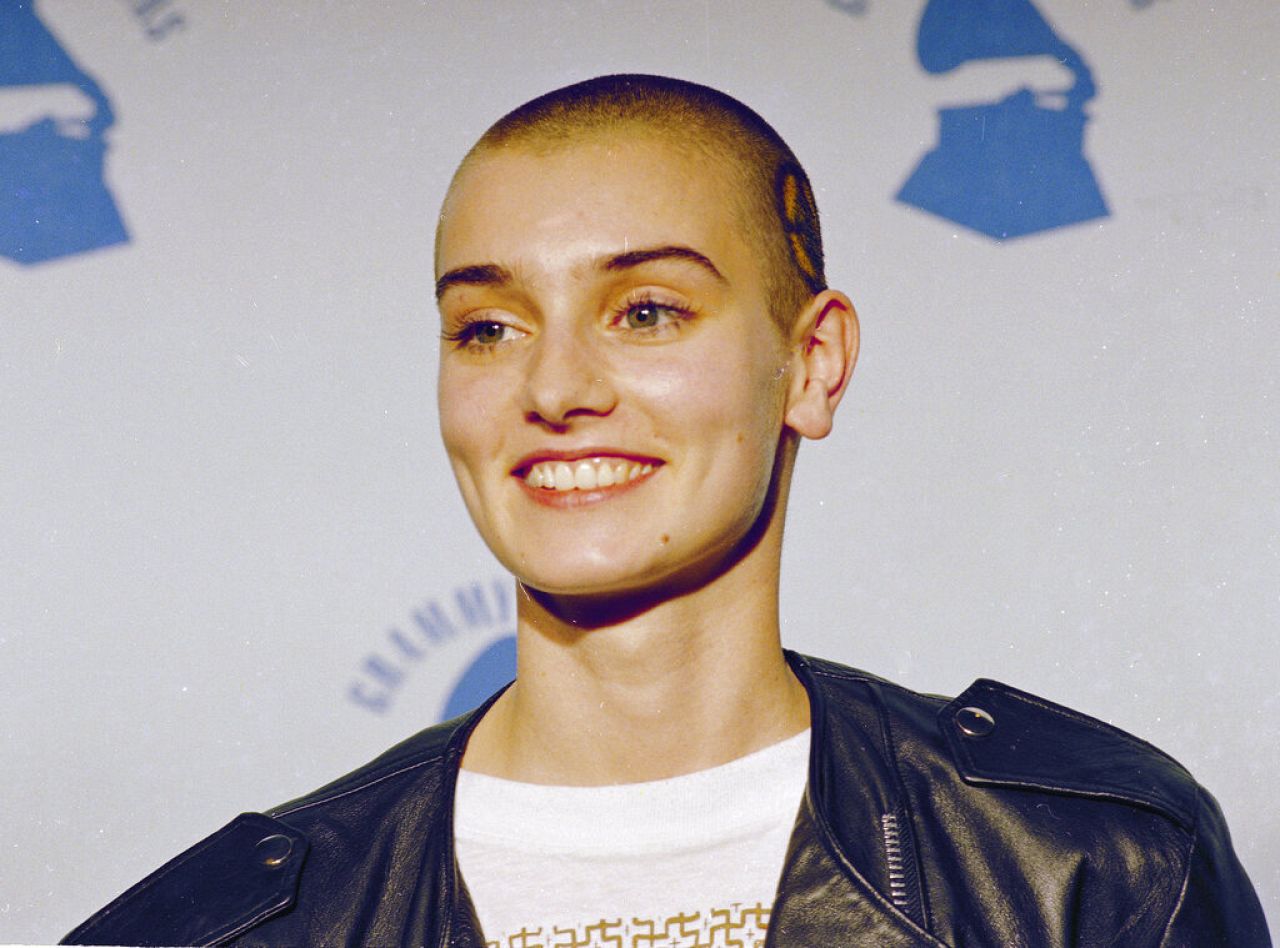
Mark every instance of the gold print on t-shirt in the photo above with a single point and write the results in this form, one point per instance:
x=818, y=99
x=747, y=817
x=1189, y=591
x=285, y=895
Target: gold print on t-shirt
x=521, y=939
x=739, y=926
x=644, y=932
x=604, y=934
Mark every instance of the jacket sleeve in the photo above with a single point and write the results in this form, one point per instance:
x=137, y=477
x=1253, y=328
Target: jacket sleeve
x=1217, y=904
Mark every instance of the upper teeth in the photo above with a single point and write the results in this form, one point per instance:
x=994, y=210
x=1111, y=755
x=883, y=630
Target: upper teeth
x=587, y=474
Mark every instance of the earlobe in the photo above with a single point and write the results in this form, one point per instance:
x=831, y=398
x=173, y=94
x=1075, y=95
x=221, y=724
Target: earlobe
x=825, y=348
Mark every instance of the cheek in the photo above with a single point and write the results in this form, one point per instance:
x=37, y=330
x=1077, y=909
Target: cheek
x=680, y=394
x=716, y=376
x=732, y=406
x=464, y=402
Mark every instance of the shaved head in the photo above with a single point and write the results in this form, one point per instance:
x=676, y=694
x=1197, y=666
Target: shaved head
x=776, y=209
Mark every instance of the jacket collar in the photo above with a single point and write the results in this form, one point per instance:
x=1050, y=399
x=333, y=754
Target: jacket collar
x=836, y=885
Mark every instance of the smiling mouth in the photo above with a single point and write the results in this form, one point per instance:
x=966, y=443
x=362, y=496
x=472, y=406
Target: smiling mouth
x=585, y=474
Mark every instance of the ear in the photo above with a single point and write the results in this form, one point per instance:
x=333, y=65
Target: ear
x=824, y=347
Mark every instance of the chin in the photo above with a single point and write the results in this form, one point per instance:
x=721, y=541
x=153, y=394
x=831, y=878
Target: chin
x=583, y=581
x=618, y=583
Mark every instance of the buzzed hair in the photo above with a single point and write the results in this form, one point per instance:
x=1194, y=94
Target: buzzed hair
x=778, y=207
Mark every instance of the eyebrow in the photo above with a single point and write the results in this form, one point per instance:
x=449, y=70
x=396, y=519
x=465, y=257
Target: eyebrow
x=485, y=274
x=634, y=258
x=491, y=274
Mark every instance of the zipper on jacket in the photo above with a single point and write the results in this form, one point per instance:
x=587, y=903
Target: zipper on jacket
x=894, y=860
x=902, y=869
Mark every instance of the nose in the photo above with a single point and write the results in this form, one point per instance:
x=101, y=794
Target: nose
x=566, y=378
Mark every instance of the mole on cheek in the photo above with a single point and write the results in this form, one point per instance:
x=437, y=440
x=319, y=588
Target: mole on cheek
x=664, y=539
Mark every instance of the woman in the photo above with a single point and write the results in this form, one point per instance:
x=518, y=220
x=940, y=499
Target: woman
x=637, y=334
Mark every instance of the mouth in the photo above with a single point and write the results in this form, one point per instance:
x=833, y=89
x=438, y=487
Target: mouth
x=594, y=473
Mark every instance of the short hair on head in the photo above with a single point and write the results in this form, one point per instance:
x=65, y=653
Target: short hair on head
x=778, y=204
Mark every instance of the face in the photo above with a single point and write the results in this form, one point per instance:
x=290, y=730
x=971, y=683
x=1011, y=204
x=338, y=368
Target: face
x=612, y=388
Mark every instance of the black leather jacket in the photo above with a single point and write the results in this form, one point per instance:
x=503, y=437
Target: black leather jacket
x=996, y=819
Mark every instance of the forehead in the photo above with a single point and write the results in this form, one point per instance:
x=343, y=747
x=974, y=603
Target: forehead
x=557, y=202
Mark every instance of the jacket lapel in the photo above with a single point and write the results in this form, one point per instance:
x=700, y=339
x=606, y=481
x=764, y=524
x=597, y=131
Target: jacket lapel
x=850, y=875
x=821, y=903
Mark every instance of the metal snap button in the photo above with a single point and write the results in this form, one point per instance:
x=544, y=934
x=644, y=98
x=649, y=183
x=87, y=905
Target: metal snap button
x=975, y=722
x=273, y=850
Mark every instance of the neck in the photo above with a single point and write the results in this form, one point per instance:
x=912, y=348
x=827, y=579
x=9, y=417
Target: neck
x=651, y=691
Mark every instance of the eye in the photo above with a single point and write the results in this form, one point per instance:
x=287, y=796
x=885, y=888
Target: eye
x=487, y=333
x=644, y=315
x=650, y=315
x=481, y=334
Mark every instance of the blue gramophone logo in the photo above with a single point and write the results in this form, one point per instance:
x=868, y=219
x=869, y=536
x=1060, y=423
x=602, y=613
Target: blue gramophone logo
x=54, y=200
x=1012, y=167
x=488, y=672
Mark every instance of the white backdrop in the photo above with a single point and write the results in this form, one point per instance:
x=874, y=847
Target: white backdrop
x=232, y=561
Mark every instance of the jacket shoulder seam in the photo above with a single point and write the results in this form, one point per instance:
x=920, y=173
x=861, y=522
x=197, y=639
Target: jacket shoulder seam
x=438, y=743
x=361, y=783
x=853, y=674
x=1189, y=861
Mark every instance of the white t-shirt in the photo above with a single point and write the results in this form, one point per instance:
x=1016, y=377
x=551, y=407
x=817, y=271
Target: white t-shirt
x=690, y=861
